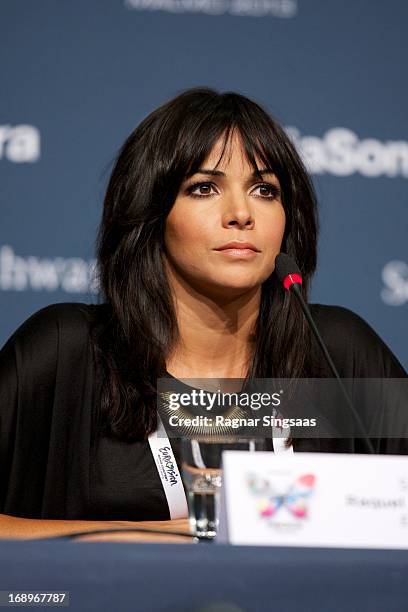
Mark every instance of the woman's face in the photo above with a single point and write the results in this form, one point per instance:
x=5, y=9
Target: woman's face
x=217, y=207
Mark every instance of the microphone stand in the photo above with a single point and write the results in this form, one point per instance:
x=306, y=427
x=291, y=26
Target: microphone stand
x=295, y=288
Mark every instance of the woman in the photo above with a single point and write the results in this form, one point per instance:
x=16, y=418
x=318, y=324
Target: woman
x=205, y=193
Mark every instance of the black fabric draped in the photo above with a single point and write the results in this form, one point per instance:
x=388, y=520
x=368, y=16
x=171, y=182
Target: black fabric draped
x=50, y=385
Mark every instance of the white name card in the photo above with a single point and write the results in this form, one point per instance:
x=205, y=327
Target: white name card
x=314, y=499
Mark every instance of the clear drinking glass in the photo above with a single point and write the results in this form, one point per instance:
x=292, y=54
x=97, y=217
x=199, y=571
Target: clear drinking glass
x=202, y=476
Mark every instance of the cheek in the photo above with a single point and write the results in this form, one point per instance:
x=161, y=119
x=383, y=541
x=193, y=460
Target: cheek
x=182, y=233
x=276, y=228
x=281, y=231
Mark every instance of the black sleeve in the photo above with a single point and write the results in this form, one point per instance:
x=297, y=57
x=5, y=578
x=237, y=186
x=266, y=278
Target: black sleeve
x=27, y=377
x=47, y=394
x=359, y=350
x=380, y=385
x=8, y=406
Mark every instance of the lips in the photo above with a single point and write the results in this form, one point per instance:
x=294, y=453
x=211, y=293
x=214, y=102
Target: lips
x=237, y=245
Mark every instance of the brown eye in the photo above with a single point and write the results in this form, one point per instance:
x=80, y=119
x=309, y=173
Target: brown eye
x=200, y=190
x=268, y=191
x=204, y=189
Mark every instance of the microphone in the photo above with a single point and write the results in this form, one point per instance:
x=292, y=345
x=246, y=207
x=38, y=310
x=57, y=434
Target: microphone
x=290, y=276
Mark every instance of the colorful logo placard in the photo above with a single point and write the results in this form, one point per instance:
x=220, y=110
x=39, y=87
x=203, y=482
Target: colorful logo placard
x=315, y=500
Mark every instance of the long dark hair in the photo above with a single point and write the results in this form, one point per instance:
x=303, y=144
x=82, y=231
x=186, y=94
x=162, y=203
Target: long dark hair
x=140, y=328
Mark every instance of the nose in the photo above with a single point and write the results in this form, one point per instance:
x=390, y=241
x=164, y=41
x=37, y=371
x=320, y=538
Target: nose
x=237, y=212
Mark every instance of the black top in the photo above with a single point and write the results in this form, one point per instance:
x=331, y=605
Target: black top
x=50, y=385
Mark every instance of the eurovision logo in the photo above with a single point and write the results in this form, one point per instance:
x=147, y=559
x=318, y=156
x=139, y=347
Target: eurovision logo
x=290, y=502
x=169, y=467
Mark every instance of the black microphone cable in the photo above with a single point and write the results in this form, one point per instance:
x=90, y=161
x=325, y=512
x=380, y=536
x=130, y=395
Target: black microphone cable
x=290, y=276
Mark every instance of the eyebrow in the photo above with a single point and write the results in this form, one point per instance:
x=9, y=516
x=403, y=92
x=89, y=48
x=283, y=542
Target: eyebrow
x=209, y=172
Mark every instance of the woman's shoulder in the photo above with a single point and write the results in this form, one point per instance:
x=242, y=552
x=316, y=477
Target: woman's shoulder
x=71, y=316
x=352, y=341
x=333, y=317
x=341, y=322
x=54, y=338
x=56, y=327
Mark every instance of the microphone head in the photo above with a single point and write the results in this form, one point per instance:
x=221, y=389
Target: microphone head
x=287, y=270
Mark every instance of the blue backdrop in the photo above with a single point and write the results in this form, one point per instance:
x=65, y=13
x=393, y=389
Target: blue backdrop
x=78, y=75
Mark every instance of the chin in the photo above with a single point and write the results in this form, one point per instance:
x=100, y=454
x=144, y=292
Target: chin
x=236, y=285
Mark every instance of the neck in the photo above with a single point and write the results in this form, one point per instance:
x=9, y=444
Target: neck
x=215, y=333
